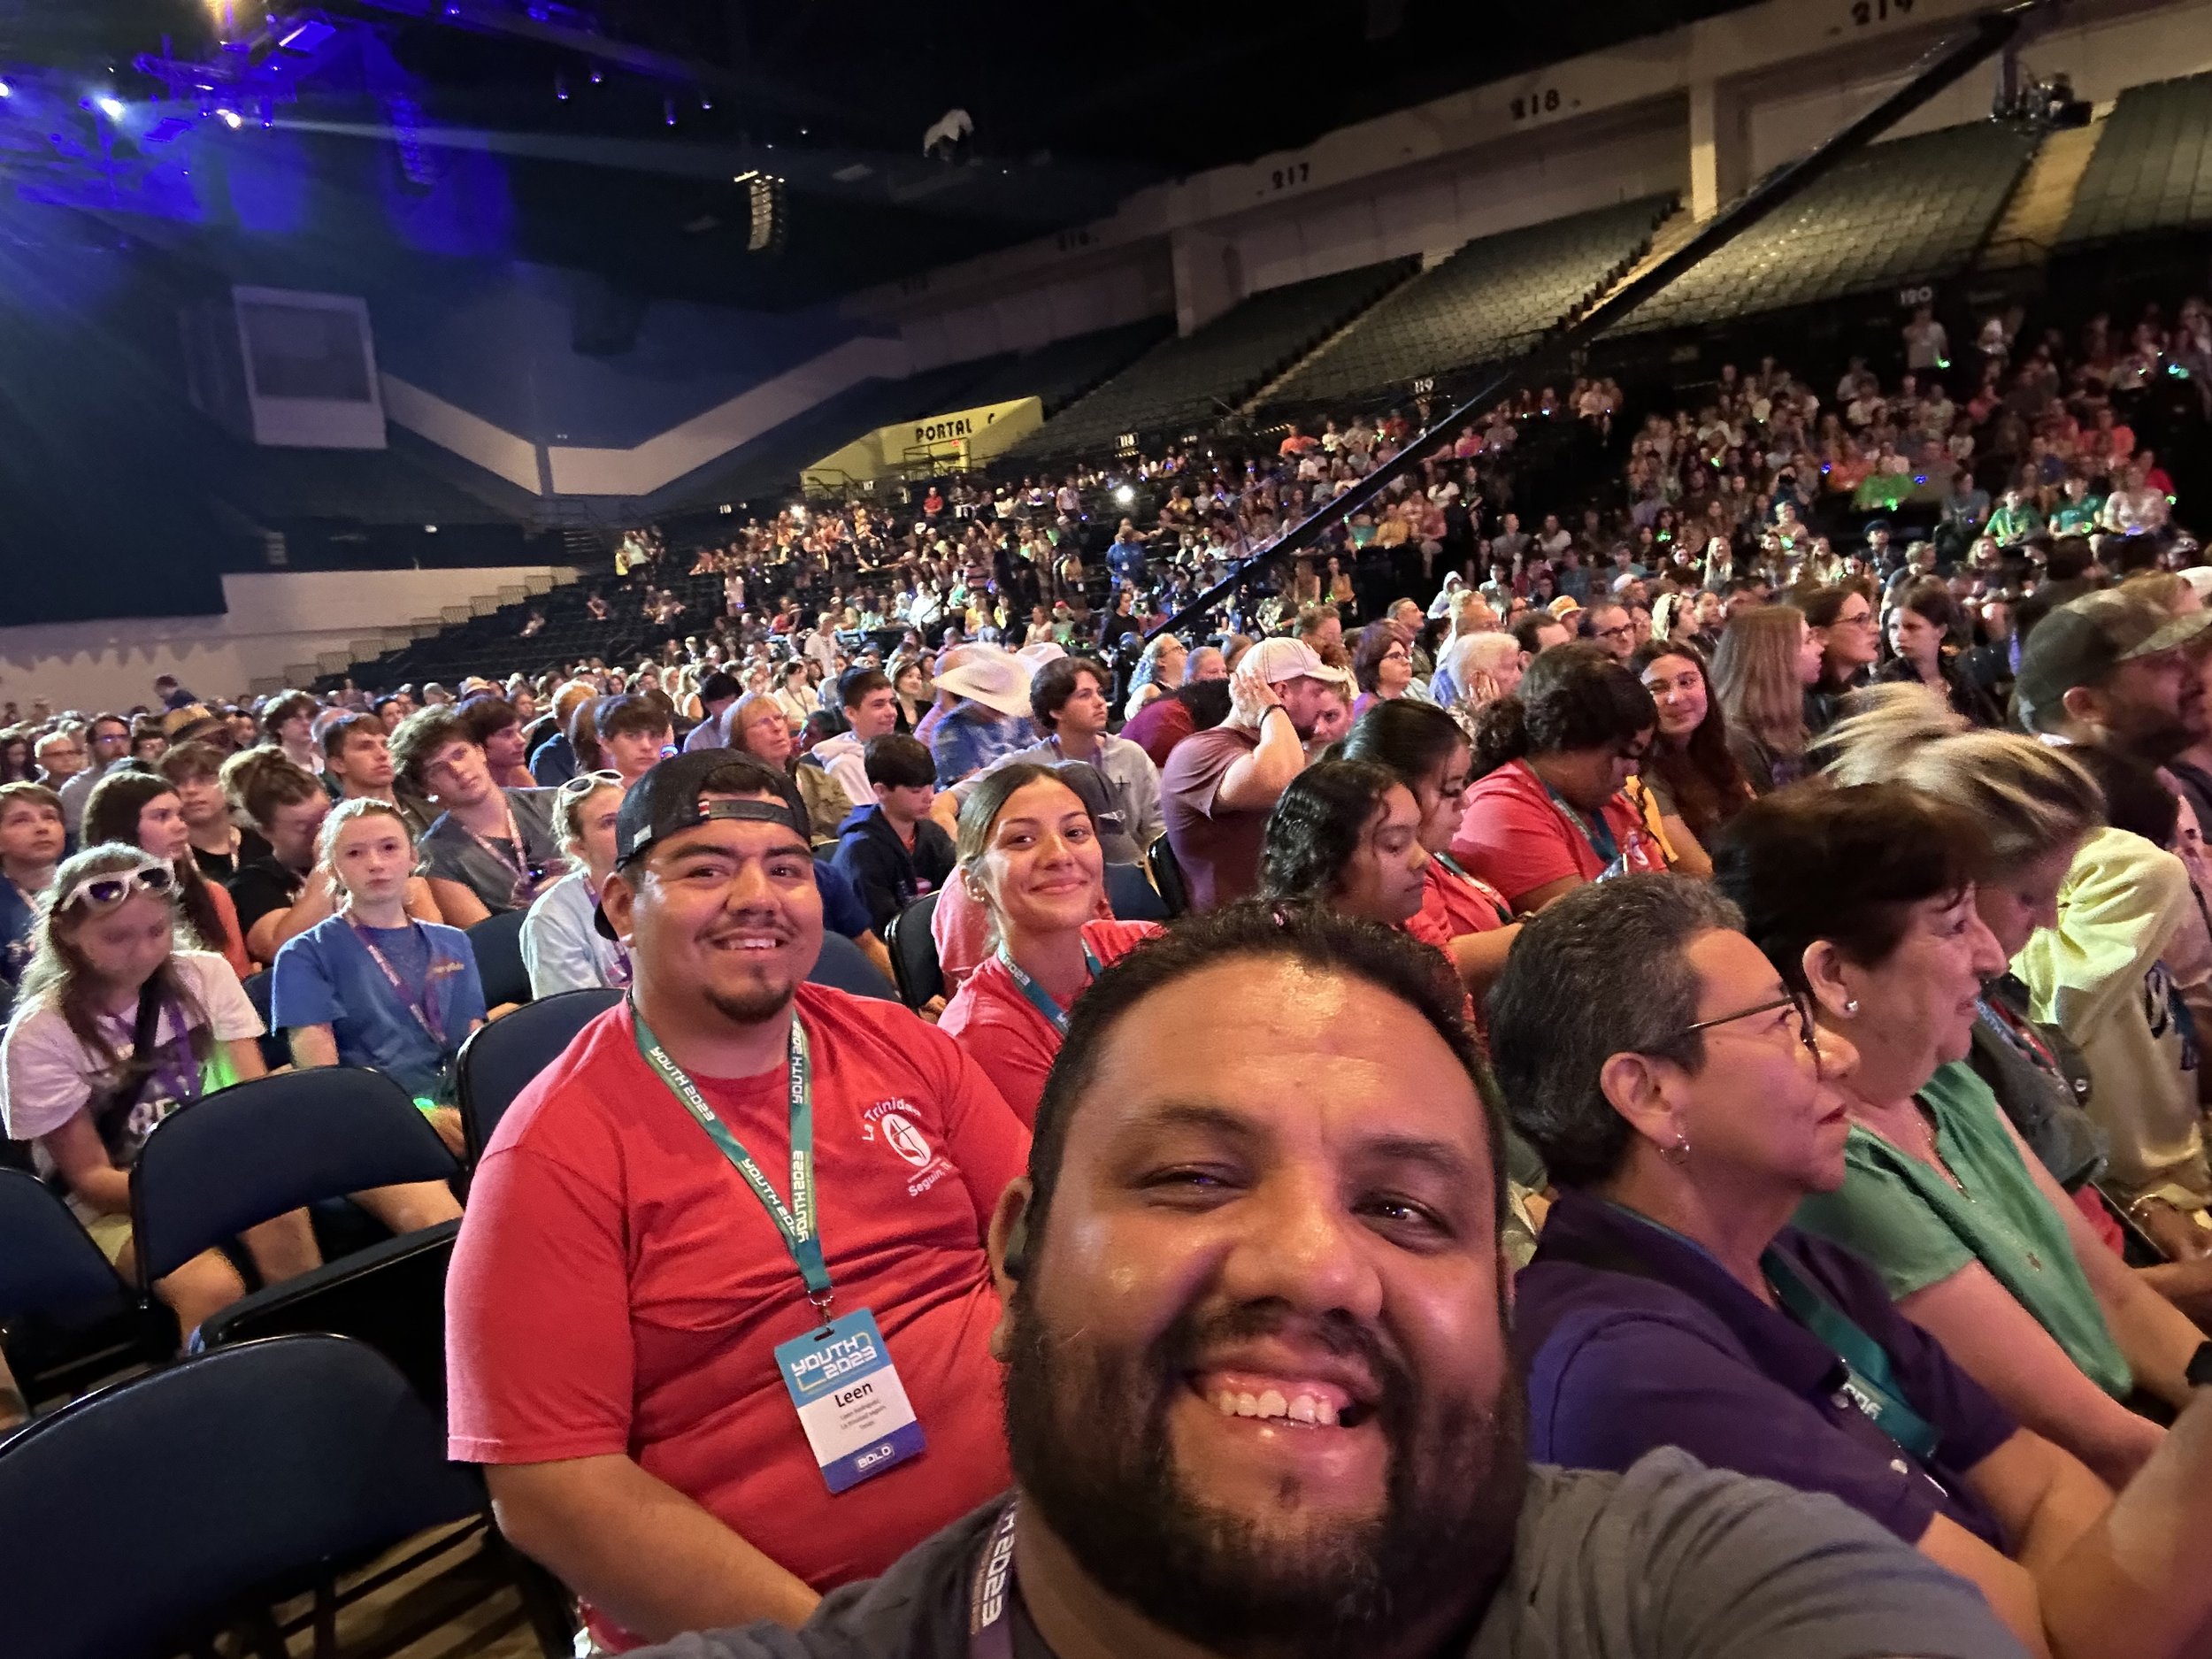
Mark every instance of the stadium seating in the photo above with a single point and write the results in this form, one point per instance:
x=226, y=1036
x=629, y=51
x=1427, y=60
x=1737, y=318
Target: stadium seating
x=1202, y=375
x=1900, y=212
x=1486, y=302
x=1058, y=374
x=2152, y=169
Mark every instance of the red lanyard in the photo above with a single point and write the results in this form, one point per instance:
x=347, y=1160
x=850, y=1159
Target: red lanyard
x=419, y=1006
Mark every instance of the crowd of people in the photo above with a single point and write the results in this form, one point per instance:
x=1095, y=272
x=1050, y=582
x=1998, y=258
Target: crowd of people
x=1777, y=969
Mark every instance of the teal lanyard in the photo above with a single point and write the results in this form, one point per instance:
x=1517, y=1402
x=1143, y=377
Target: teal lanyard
x=1597, y=832
x=1034, y=991
x=796, y=1220
x=1872, y=1384
x=1452, y=864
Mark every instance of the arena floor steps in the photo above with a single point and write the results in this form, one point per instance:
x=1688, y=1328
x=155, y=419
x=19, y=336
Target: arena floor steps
x=1677, y=228
x=2152, y=167
x=1915, y=209
x=1265, y=394
x=2036, y=216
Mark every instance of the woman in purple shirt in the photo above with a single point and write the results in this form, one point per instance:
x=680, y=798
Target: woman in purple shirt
x=1670, y=1303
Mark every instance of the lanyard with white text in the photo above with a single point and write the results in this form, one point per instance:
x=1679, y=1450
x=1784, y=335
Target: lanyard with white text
x=796, y=1220
x=1054, y=1017
x=991, y=1591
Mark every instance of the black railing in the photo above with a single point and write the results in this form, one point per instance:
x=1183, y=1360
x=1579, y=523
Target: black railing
x=1938, y=70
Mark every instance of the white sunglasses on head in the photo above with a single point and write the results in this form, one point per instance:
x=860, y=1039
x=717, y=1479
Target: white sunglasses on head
x=110, y=888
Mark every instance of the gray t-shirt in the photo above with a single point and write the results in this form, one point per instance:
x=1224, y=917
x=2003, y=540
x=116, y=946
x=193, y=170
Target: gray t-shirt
x=449, y=852
x=1669, y=1561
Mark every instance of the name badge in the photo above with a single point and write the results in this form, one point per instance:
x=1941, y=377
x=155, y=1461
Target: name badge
x=851, y=1404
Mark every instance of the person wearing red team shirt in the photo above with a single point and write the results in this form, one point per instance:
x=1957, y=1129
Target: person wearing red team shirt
x=1546, y=812
x=1461, y=914
x=622, y=1284
x=1030, y=856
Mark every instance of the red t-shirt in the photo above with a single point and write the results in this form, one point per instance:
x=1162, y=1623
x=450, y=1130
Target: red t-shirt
x=617, y=1289
x=1515, y=836
x=1455, y=905
x=1158, y=726
x=1004, y=1034
x=1217, y=846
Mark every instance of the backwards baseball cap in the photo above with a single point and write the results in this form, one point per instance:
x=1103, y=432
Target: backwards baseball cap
x=1277, y=660
x=2085, y=641
x=665, y=802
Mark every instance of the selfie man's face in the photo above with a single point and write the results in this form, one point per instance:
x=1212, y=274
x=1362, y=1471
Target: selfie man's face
x=1258, y=1380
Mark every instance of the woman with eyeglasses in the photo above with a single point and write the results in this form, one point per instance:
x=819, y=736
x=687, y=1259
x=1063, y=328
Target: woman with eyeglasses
x=562, y=946
x=140, y=809
x=1546, y=812
x=373, y=986
x=118, y=1023
x=759, y=726
x=1865, y=897
x=1382, y=667
x=1841, y=616
x=1673, y=1302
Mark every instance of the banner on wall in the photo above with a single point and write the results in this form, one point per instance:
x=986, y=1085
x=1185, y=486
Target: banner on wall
x=963, y=439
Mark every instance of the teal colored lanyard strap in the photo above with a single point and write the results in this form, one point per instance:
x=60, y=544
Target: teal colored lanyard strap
x=796, y=1220
x=1030, y=989
x=1873, y=1383
x=1595, y=830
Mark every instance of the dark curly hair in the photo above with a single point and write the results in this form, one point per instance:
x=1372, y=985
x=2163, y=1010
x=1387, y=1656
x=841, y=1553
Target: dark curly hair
x=1316, y=828
x=1573, y=697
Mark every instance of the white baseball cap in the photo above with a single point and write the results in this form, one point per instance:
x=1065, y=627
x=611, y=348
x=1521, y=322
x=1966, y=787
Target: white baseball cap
x=1278, y=660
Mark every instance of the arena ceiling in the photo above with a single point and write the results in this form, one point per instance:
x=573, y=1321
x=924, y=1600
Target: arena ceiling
x=631, y=175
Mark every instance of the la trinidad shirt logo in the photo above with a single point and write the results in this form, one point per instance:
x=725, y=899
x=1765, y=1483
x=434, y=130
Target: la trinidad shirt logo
x=892, y=1124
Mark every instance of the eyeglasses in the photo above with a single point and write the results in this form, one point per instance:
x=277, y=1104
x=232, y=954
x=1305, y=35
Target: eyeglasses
x=1799, y=1000
x=585, y=782
x=110, y=888
x=1620, y=631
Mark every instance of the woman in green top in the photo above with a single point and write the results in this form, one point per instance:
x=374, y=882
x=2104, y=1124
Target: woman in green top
x=1865, y=896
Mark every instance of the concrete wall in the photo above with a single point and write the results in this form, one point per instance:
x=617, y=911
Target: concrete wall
x=275, y=619
x=1768, y=81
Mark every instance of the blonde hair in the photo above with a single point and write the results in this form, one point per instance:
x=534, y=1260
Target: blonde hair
x=344, y=813
x=2029, y=798
x=568, y=815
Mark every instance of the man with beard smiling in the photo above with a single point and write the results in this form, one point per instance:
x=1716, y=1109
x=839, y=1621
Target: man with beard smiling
x=642, y=1292
x=1259, y=1393
x=2117, y=669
